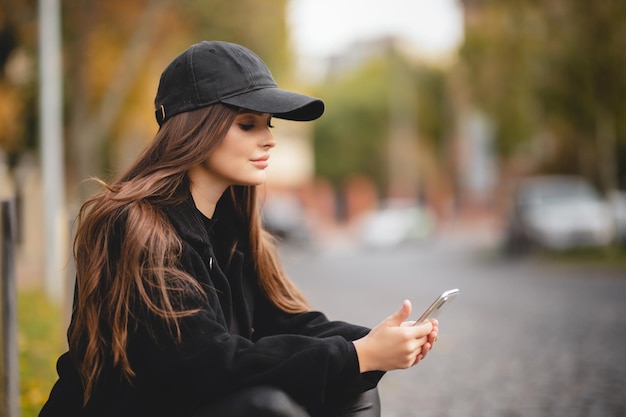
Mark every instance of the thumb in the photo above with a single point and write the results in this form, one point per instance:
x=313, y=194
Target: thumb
x=401, y=315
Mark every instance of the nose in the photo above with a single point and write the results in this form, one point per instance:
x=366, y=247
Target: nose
x=268, y=141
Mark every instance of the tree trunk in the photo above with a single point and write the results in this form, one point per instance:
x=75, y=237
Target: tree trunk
x=607, y=161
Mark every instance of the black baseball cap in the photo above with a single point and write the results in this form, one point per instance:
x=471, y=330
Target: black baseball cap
x=212, y=72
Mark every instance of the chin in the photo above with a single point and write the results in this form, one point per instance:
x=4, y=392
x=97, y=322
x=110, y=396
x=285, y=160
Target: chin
x=253, y=182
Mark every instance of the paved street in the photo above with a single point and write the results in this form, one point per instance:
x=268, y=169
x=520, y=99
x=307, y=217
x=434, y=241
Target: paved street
x=523, y=339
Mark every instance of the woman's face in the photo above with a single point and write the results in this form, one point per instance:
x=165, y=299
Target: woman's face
x=242, y=156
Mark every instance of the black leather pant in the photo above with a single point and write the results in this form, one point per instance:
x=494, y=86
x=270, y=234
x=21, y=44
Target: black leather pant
x=272, y=402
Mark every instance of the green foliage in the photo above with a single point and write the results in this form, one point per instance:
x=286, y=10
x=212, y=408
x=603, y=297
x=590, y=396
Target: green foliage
x=40, y=342
x=585, y=61
x=555, y=67
x=434, y=110
x=499, y=61
x=353, y=136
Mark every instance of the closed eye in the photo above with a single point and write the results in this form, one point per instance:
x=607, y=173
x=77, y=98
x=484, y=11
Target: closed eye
x=249, y=120
x=246, y=126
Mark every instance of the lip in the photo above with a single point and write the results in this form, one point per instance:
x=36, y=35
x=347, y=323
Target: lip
x=261, y=162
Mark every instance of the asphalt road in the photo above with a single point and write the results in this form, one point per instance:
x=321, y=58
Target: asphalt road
x=524, y=338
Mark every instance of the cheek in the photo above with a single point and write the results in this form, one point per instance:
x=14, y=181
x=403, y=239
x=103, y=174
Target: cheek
x=218, y=162
x=226, y=161
x=233, y=146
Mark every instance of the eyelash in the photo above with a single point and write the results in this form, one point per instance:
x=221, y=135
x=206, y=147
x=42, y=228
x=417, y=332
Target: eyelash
x=250, y=126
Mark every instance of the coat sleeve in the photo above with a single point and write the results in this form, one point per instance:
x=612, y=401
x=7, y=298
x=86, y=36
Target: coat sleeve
x=66, y=396
x=315, y=324
x=311, y=365
x=312, y=323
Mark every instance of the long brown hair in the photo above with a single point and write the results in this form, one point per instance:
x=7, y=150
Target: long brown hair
x=126, y=250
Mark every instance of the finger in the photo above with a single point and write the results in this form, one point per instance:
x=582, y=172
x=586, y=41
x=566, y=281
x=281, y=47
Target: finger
x=435, y=324
x=425, y=349
x=397, y=318
x=423, y=330
x=419, y=344
x=418, y=358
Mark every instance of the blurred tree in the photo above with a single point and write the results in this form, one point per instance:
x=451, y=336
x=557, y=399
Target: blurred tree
x=434, y=108
x=350, y=138
x=17, y=78
x=583, y=84
x=112, y=46
x=365, y=104
x=114, y=52
x=552, y=69
x=498, y=62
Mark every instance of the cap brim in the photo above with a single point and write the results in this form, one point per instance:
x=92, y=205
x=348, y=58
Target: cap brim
x=280, y=103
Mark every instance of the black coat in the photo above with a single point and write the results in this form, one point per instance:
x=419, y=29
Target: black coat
x=238, y=340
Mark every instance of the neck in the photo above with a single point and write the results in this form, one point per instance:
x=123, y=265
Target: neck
x=205, y=193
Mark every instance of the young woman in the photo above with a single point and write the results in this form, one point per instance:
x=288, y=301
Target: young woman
x=181, y=305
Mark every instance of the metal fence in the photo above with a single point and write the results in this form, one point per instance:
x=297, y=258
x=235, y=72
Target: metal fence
x=9, y=383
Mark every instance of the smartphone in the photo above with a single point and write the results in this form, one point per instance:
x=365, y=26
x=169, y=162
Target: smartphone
x=433, y=311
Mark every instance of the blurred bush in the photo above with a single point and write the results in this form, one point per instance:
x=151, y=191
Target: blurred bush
x=41, y=340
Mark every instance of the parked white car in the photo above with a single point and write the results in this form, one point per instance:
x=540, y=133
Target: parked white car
x=398, y=222
x=558, y=212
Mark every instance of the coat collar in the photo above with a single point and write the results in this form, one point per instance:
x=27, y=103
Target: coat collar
x=188, y=222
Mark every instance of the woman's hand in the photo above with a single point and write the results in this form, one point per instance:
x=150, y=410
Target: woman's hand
x=396, y=343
